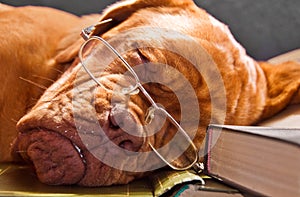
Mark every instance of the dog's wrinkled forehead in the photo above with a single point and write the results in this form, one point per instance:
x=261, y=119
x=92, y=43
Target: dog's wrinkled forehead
x=120, y=12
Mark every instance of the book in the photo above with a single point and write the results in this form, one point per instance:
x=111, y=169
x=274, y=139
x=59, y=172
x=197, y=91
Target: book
x=212, y=187
x=188, y=183
x=20, y=180
x=293, y=55
x=262, y=160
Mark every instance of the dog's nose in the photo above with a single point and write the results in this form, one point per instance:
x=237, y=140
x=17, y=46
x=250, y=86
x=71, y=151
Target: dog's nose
x=123, y=126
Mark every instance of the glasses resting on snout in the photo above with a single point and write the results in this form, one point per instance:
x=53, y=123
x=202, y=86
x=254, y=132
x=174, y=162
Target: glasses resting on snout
x=131, y=85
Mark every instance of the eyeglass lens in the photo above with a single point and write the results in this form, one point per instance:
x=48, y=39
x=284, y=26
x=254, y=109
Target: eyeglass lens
x=96, y=57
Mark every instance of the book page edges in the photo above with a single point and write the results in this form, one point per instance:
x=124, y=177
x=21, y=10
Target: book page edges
x=290, y=135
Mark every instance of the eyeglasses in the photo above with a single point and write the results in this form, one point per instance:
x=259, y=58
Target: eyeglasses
x=95, y=54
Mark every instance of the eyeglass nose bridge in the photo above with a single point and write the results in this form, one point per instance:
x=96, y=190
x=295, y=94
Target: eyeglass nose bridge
x=132, y=90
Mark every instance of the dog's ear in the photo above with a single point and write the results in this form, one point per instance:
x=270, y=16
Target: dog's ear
x=118, y=12
x=122, y=10
x=283, y=83
x=4, y=7
x=68, y=47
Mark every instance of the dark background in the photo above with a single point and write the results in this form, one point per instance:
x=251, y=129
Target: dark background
x=265, y=28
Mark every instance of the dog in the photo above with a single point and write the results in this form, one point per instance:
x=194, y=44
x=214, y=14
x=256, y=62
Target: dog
x=31, y=39
x=182, y=56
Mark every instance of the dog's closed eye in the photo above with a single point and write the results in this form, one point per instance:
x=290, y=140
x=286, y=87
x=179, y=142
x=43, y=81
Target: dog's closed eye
x=112, y=122
x=143, y=57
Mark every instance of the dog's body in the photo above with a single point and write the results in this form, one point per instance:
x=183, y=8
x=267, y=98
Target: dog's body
x=253, y=90
x=31, y=38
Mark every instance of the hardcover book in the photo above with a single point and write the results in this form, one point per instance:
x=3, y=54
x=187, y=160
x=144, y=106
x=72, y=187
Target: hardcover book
x=263, y=160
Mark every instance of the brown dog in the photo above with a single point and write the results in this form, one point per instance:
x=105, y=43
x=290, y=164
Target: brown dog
x=174, y=47
x=31, y=39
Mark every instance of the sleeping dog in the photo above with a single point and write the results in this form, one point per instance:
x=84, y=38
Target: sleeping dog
x=138, y=92
x=31, y=37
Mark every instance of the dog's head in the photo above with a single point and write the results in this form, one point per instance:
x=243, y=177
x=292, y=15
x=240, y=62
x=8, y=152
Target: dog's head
x=100, y=124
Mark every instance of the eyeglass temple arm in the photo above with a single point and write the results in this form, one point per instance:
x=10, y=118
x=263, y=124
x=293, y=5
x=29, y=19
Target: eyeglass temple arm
x=86, y=33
